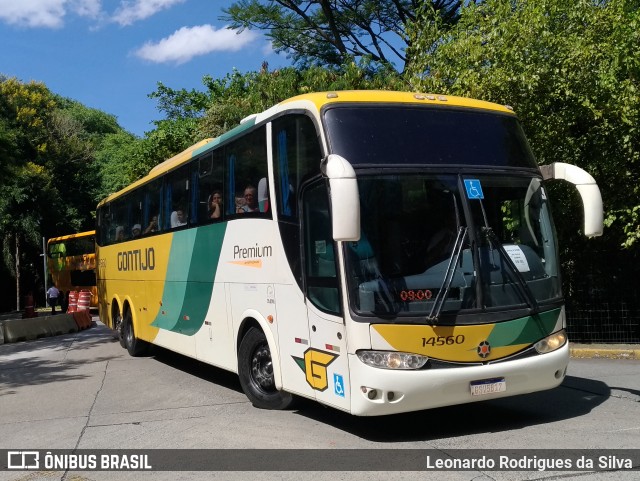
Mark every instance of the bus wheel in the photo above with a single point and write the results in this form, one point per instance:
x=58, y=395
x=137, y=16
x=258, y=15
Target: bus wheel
x=117, y=325
x=255, y=370
x=135, y=346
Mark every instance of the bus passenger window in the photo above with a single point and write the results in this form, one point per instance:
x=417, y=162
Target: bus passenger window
x=151, y=207
x=247, y=165
x=177, y=198
x=296, y=158
x=207, y=187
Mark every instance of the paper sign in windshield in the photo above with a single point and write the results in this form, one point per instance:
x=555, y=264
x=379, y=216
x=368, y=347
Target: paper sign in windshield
x=517, y=257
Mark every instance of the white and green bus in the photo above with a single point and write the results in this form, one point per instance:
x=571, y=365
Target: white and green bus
x=379, y=252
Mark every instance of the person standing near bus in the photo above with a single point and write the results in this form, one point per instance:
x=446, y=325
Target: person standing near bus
x=52, y=298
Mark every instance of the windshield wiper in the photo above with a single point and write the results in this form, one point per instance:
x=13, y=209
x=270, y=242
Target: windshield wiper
x=521, y=283
x=436, y=308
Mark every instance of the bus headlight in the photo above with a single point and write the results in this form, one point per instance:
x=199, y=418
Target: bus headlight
x=392, y=359
x=551, y=343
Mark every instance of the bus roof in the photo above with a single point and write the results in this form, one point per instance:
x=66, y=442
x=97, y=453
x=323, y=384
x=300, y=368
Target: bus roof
x=88, y=233
x=319, y=100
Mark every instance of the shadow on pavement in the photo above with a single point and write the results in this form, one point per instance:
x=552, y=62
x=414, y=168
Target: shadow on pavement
x=574, y=398
x=44, y=361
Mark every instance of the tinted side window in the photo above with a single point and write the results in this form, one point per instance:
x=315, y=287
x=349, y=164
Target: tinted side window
x=246, y=182
x=120, y=220
x=208, y=187
x=176, y=199
x=296, y=158
x=152, y=207
x=103, y=224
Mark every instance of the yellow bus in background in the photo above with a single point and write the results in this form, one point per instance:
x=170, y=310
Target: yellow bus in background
x=71, y=260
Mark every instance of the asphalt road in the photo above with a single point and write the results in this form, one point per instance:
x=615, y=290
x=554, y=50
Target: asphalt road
x=83, y=392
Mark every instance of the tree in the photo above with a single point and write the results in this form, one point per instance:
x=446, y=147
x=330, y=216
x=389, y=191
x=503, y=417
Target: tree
x=48, y=177
x=115, y=158
x=331, y=32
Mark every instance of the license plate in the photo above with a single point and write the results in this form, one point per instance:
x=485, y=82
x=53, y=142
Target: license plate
x=488, y=386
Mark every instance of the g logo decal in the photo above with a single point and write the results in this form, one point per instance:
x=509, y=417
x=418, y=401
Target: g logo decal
x=314, y=365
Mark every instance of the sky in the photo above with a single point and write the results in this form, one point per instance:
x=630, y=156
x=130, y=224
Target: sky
x=110, y=54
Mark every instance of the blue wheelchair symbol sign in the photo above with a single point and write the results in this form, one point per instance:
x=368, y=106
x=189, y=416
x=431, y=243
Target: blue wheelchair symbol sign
x=474, y=189
x=338, y=385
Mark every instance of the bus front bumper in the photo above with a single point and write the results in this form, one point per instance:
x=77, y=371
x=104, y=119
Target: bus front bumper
x=377, y=392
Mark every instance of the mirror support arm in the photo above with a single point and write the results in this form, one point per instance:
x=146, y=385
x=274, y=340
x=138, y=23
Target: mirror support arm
x=588, y=189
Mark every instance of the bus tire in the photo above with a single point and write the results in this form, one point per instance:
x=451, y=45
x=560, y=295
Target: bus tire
x=116, y=320
x=136, y=347
x=255, y=370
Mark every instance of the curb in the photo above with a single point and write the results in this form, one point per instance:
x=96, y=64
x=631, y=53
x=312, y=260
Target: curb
x=605, y=351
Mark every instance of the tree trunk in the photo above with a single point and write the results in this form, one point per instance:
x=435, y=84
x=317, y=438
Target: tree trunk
x=17, y=273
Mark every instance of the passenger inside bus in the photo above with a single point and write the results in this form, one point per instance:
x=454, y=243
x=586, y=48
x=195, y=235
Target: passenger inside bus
x=153, y=225
x=215, y=205
x=136, y=230
x=178, y=218
x=250, y=197
x=119, y=233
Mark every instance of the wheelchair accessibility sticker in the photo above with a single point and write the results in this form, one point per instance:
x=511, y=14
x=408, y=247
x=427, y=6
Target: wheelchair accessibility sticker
x=338, y=385
x=474, y=189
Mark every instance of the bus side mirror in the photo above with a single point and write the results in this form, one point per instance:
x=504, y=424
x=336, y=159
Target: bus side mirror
x=345, y=200
x=588, y=189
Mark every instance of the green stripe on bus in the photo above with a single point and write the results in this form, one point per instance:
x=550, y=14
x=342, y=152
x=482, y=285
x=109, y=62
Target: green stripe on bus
x=525, y=330
x=193, y=262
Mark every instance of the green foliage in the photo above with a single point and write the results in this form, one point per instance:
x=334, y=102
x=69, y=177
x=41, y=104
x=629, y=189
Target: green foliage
x=92, y=124
x=170, y=137
x=115, y=159
x=177, y=104
x=122, y=158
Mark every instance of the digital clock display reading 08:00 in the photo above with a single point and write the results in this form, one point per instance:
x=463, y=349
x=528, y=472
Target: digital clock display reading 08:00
x=411, y=295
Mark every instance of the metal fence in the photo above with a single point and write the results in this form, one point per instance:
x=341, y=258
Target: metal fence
x=609, y=316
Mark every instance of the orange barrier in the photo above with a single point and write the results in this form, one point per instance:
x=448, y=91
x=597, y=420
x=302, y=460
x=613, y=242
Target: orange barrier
x=83, y=319
x=73, y=301
x=84, y=300
x=29, y=308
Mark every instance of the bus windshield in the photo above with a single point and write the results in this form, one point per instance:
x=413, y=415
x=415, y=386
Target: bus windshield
x=75, y=246
x=423, y=236
x=404, y=134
